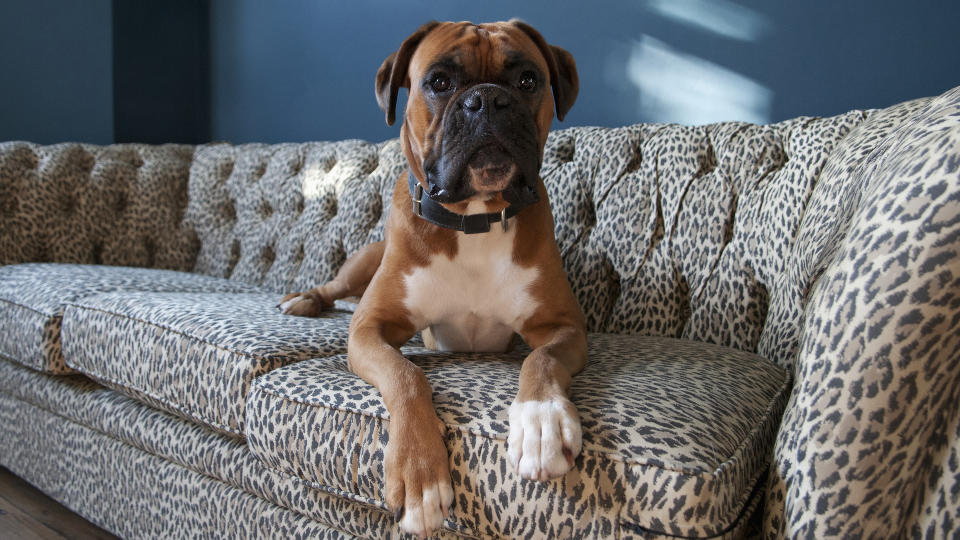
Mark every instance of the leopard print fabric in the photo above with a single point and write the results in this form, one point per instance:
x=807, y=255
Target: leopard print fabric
x=32, y=298
x=829, y=211
x=869, y=444
x=676, y=437
x=286, y=216
x=683, y=231
x=120, y=205
x=192, y=354
x=142, y=473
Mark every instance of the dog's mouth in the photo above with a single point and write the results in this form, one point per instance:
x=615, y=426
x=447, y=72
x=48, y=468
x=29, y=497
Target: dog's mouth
x=490, y=170
x=481, y=173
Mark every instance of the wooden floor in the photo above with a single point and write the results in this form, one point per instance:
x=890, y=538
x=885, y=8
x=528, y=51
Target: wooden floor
x=26, y=513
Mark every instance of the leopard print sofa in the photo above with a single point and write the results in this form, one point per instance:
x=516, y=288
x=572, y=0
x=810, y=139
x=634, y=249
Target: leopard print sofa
x=774, y=314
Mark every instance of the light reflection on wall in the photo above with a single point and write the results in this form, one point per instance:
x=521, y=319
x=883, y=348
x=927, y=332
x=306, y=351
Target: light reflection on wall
x=680, y=88
x=720, y=17
x=674, y=86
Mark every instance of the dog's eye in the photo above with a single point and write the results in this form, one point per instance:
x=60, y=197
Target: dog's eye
x=440, y=83
x=528, y=81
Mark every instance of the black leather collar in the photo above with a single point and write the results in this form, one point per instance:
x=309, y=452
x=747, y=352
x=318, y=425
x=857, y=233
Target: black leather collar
x=435, y=213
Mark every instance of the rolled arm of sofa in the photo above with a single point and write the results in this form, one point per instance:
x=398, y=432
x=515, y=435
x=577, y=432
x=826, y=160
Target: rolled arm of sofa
x=79, y=203
x=870, y=442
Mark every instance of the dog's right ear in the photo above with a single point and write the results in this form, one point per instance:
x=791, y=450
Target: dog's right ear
x=393, y=72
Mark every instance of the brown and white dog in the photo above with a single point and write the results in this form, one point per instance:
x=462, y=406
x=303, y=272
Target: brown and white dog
x=469, y=256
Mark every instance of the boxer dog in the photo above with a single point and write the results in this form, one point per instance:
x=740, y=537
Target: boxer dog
x=469, y=256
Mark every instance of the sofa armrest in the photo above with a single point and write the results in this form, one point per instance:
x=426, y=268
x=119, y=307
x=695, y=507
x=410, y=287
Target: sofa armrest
x=870, y=441
x=79, y=203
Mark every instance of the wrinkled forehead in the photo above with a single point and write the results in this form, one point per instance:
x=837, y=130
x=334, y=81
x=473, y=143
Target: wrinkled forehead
x=480, y=50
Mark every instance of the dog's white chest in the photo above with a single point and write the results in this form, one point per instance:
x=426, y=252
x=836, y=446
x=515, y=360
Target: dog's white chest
x=475, y=301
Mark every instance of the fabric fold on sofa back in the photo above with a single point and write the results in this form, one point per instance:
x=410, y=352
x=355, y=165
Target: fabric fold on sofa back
x=685, y=231
x=833, y=204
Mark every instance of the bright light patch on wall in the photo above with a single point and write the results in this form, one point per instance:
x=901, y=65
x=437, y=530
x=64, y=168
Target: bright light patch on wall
x=718, y=16
x=685, y=89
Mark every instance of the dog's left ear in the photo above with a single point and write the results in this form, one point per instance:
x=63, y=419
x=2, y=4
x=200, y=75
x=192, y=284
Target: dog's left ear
x=563, y=70
x=392, y=74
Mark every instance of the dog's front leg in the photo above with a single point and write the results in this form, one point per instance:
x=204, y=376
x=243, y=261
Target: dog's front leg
x=545, y=434
x=418, y=487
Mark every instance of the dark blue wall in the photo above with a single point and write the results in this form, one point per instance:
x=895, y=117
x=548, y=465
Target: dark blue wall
x=297, y=70
x=55, y=71
x=161, y=71
x=303, y=70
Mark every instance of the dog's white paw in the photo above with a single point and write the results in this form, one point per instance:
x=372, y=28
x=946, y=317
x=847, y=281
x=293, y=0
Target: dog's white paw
x=306, y=304
x=424, y=516
x=544, y=438
x=286, y=305
x=417, y=484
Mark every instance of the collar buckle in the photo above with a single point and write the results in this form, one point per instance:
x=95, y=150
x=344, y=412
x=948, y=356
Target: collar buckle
x=417, y=195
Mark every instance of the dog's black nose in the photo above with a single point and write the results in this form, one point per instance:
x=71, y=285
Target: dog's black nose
x=487, y=98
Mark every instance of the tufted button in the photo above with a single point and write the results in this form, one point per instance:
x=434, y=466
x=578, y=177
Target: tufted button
x=265, y=209
x=296, y=165
x=9, y=204
x=260, y=170
x=120, y=203
x=369, y=165
x=96, y=252
x=268, y=256
x=228, y=212
x=150, y=247
x=329, y=164
x=224, y=170
x=298, y=206
x=137, y=160
x=298, y=255
x=67, y=203
x=328, y=206
x=234, y=257
x=635, y=162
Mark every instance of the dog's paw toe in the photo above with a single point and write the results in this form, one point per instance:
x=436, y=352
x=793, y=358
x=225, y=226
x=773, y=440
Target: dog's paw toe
x=302, y=304
x=544, y=438
x=423, y=512
x=418, y=484
x=287, y=303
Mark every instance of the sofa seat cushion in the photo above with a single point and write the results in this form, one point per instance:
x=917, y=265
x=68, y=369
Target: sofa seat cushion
x=32, y=298
x=676, y=437
x=192, y=354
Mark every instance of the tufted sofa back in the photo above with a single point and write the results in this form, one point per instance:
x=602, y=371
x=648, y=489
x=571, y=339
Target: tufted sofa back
x=684, y=231
x=664, y=229
x=119, y=205
x=286, y=216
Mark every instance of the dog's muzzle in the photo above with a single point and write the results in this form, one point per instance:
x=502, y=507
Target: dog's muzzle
x=488, y=144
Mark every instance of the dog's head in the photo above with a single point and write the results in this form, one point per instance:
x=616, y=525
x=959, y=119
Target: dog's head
x=481, y=100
